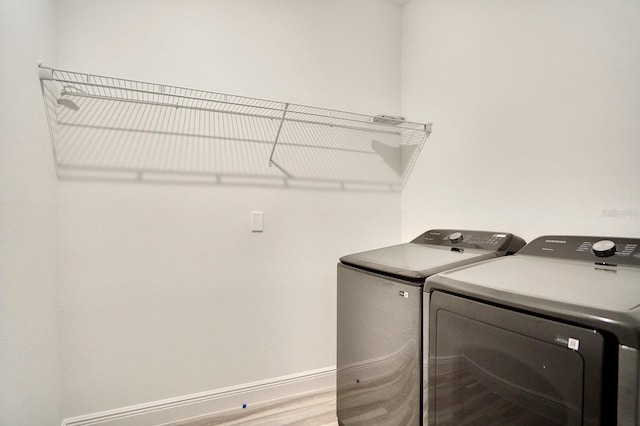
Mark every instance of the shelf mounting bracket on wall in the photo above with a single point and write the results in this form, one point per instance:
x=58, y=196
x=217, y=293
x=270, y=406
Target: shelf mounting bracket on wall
x=275, y=142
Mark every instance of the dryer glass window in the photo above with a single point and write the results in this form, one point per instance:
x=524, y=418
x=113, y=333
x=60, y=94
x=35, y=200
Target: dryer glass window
x=493, y=366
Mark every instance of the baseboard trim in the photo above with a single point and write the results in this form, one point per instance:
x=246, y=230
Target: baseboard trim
x=199, y=404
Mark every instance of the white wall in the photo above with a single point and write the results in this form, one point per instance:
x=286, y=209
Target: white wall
x=29, y=368
x=165, y=291
x=535, y=110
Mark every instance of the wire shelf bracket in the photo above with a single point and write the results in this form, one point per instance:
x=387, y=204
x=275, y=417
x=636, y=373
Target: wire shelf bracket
x=275, y=142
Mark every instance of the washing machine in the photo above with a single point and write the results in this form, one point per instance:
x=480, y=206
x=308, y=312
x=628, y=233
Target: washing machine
x=379, y=320
x=550, y=336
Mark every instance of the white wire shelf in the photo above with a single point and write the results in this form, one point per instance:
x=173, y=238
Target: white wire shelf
x=125, y=128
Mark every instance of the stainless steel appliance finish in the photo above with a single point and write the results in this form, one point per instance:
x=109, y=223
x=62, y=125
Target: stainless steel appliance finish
x=584, y=294
x=379, y=359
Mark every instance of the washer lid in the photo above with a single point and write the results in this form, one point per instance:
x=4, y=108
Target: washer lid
x=604, y=297
x=414, y=261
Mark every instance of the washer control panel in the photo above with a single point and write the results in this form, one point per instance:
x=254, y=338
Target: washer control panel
x=460, y=239
x=601, y=250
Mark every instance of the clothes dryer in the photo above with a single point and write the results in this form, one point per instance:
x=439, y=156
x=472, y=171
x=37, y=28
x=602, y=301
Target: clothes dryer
x=379, y=318
x=550, y=336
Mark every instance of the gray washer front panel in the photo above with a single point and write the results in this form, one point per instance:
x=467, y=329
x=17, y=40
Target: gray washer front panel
x=379, y=340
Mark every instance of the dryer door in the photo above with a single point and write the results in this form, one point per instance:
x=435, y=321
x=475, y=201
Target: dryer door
x=494, y=366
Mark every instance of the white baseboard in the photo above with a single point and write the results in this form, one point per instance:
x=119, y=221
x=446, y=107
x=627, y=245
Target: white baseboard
x=198, y=404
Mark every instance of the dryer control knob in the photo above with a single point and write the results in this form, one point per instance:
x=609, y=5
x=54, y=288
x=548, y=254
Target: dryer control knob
x=604, y=248
x=456, y=237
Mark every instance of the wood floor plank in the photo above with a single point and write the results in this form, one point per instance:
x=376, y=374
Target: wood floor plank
x=313, y=409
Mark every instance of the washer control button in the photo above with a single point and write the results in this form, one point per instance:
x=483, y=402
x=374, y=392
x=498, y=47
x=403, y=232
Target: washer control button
x=456, y=237
x=604, y=248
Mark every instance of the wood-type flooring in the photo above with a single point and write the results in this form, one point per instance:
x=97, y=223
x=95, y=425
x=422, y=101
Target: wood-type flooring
x=314, y=409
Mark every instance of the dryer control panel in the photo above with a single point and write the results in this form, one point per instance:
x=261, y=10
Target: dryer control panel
x=600, y=250
x=500, y=242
